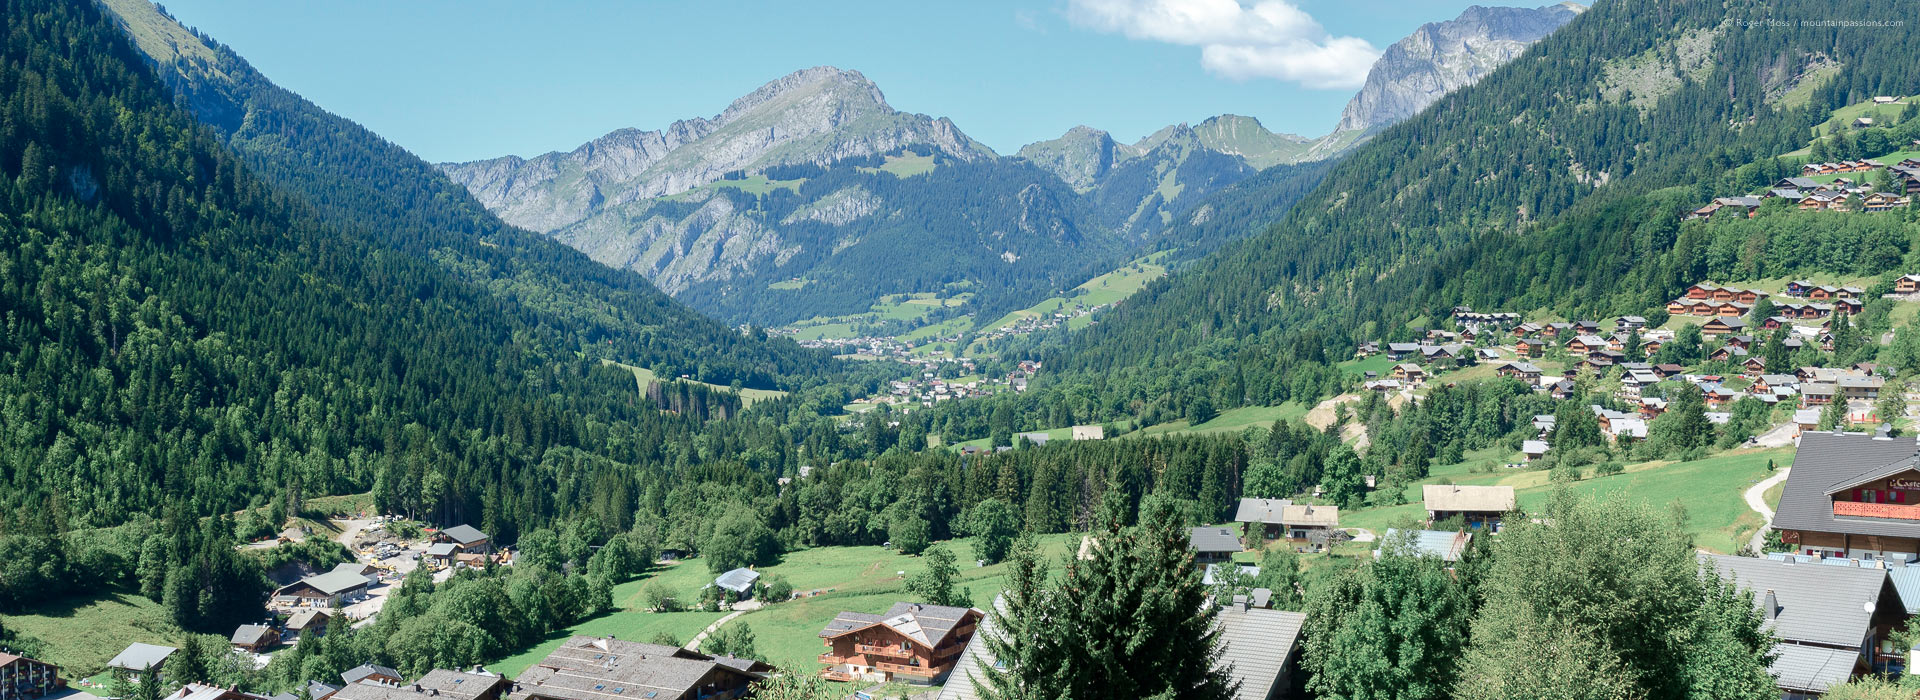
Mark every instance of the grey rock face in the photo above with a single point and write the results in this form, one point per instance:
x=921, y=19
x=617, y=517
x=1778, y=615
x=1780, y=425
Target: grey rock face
x=816, y=115
x=1444, y=56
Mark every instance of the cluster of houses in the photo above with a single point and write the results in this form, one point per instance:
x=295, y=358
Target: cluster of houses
x=1841, y=194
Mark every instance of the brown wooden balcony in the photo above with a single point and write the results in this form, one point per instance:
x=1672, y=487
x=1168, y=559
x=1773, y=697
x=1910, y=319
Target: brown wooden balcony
x=892, y=651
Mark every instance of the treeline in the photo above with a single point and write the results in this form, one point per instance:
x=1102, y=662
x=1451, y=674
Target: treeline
x=694, y=399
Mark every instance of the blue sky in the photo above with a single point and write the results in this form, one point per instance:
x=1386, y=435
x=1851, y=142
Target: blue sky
x=481, y=78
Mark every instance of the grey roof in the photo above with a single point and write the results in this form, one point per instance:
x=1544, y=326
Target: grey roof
x=1906, y=580
x=1815, y=669
x=443, y=549
x=1257, y=645
x=600, y=668
x=140, y=656
x=1817, y=604
x=1826, y=459
x=1443, y=544
x=250, y=635
x=306, y=618
x=737, y=580
x=438, y=683
x=1213, y=539
x=361, y=672
x=926, y=624
x=975, y=662
x=316, y=689
x=334, y=582
x=1260, y=510
x=1211, y=575
x=464, y=534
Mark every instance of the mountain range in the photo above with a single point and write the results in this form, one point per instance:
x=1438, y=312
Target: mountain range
x=811, y=196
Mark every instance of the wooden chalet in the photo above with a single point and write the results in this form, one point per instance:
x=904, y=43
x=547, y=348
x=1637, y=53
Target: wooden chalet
x=1529, y=348
x=1907, y=284
x=910, y=642
x=1480, y=506
x=22, y=678
x=1723, y=325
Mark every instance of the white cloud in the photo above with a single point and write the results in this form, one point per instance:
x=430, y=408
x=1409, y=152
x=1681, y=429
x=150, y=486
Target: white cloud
x=1266, y=39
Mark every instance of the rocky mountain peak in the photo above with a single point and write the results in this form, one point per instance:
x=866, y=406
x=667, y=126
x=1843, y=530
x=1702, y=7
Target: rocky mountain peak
x=847, y=90
x=1443, y=56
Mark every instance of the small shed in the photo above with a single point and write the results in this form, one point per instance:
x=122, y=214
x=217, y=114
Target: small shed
x=738, y=581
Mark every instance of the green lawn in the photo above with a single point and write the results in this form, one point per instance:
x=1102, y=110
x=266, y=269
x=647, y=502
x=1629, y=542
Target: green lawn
x=904, y=165
x=1710, y=489
x=1234, y=420
x=1844, y=116
x=759, y=184
x=83, y=632
x=643, y=376
x=891, y=308
x=1376, y=363
x=829, y=580
x=1105, y=289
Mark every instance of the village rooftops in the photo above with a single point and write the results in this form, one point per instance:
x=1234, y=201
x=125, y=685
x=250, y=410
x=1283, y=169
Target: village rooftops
x=1474, y=499
x=927, y=625
x=1260, y=510
x=602, y=668
x=140, y=656
x=1213, y=539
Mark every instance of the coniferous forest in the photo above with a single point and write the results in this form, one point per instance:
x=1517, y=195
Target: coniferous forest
x=222, y=303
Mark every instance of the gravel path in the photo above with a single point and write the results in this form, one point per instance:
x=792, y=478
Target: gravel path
x=1756, y=499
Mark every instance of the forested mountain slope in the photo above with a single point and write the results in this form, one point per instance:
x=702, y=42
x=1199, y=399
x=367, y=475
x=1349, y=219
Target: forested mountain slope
x=183, y=338
x=1626, y=99
x=356, y=179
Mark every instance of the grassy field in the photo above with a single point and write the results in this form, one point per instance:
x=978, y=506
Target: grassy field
x=829, y=579
x=1378, y=364
x=642, y=377
x=1844, y=116
x=893, y=307
x=83, y=632
x=759, y=184
x=1709, y=489
x=904, y=165
x=1233, y=421
x=1105, y=289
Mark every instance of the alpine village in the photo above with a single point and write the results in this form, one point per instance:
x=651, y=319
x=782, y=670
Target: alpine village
x=1579, y=360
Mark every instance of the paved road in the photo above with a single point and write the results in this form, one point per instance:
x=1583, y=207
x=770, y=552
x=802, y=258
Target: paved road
x=1756, y=499
x=1780, y=436
x=694, y=644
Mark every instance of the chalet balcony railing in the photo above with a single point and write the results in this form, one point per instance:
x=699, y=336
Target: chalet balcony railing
x=831, y=658
x=1885, y=511
x=833, y=675
x=905, y=670
x=889, y=651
